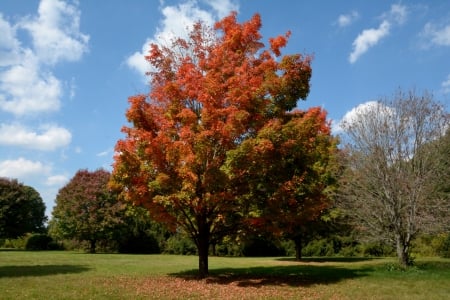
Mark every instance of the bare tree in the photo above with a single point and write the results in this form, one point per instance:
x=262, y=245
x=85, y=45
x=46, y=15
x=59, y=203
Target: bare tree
x=390, y=168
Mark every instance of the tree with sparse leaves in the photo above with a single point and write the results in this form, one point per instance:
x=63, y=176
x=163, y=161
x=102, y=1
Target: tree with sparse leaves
x=391, y=166
x=209, y=93
x=21, y=209
x=86, y=209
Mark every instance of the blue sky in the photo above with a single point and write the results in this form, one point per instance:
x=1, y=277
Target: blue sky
x=68, y=67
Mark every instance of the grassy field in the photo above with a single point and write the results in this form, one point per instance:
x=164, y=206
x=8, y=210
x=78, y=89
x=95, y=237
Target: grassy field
x=72, y=275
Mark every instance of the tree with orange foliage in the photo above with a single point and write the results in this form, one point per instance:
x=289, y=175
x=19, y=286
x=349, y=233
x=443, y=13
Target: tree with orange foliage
x=209, y=93
x=288, y=170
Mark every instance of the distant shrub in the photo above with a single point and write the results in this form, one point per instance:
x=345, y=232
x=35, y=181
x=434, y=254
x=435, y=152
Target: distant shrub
x=260, y=246
x=38, y=242
x=288, y=247
x=346, y=246
x=351, y=251
x=427, y=245
x=18, y=243
x=444, y=250
x=321, y=247
x=180, y=244
x=377, y=249
x=142, y=243
x=227, y=248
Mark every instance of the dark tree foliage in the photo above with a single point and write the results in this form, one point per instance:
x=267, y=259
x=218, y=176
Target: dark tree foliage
x=41, y=242
x=442, y=180
x=138, y=233
x=21, y=209
x=86, y=209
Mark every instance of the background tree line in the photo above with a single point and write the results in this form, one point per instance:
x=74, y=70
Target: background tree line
x=333, y=234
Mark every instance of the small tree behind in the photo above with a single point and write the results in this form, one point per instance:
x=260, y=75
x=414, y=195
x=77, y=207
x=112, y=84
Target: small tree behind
x=390, y=167
x=86, y=209
x=288, y=168
x=21, y=209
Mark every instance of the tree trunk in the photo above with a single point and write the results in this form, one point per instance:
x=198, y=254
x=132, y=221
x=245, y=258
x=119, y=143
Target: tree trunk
x=403, y=254
x=213, y=249
x=92, y=246
x=298, y=247
x=203, y=248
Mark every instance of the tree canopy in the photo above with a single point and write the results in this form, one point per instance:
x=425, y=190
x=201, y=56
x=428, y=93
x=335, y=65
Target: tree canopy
x=86, y=209
x=209, y=93
x=21, y=209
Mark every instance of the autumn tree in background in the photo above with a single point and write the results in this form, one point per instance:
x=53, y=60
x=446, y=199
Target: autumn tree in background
x=86, y=209
x=391, y=167
x=209, y=93
x=22, y=209
x=287, y=172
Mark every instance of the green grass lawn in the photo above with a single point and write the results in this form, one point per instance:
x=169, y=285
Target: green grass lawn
x=72, y=275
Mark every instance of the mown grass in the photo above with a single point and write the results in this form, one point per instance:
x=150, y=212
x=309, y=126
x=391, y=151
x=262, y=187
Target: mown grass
x=72, y=275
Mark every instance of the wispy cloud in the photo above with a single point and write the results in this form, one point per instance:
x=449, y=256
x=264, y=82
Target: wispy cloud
x=437, y=35
x=107, y=152
x=175, y=22
x=223, y=8
x=398, y=14
x=345, y=20
x=368, y=38
x=446, y=85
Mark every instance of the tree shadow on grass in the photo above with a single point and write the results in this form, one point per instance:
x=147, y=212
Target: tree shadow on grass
x=40, y=270
x=300, y=275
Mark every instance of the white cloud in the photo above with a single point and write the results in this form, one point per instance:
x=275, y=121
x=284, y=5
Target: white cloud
x=438, y=35
x=22, y=168
x=357, y=113
x=25, y=89
x=137, y=62
x=446, y=85
x=27, y=86
x=56, y=32
x=347, y=19
x=9, y=45
x=7, y=38
x=368, y=38
x=177, y=21
x=51, y=137
x=361, y=109
x=56, y=180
